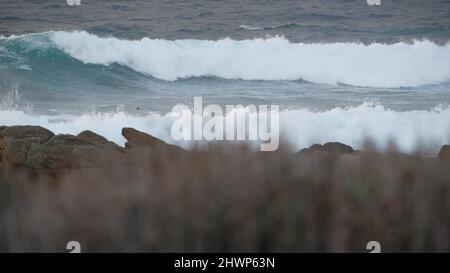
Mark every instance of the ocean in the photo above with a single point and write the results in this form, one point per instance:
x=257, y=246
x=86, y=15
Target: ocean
x=339, y=70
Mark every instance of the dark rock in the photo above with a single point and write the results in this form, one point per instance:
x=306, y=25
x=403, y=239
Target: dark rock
x=444, y=153
x=314, y=147
x=67, y=151
x=16, y=140
x=38, y=148
x=35, y=133
x=16, y=151
x=139, y=139
x=68, y=140
x=330, y=148
x=337, y=148
x=93, y=137
x=142, y=147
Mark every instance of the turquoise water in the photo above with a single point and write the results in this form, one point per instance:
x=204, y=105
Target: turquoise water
x=340, y=70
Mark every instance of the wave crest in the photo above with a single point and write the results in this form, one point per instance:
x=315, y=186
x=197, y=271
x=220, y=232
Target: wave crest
x=374, y=65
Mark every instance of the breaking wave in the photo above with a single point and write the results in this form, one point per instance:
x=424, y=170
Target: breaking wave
x=375, y=65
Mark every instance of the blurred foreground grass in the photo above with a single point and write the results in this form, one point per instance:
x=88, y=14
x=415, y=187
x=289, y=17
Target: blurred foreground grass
x=231, y=200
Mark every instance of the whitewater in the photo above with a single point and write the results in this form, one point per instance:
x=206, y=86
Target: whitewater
x=299, y=128
x=374, y=65
x=268, y=59
x=60, y=67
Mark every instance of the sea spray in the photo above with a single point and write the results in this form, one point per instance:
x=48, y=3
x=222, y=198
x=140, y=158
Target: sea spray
x=298, y=127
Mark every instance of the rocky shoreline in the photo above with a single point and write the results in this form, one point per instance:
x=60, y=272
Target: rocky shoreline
x=38, y=148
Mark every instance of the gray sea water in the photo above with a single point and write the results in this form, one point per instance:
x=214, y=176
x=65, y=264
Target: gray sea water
x=385, y=66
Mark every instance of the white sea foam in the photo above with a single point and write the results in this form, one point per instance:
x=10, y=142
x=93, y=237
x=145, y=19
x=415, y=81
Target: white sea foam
x=301, y=128
x=374, y=65
x=247, y=27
